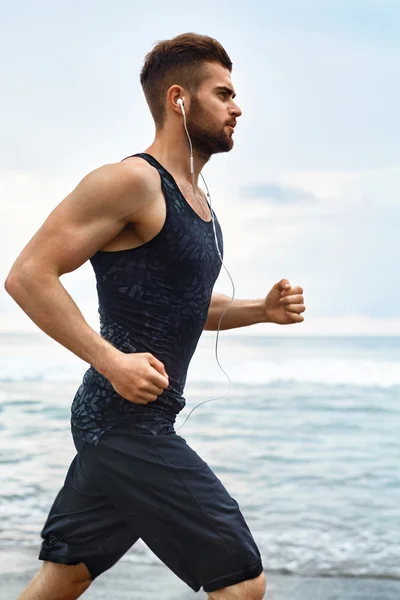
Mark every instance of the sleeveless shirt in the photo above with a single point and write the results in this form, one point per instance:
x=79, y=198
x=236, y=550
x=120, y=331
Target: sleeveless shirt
x=151, y=298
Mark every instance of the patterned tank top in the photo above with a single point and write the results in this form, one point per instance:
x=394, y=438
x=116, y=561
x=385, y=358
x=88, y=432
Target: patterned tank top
x=152, y=298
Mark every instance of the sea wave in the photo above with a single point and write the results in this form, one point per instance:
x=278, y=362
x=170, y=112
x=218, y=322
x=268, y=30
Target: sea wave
x=140, y=554
x=364, y=373
x=361, y=362
x=144, y=556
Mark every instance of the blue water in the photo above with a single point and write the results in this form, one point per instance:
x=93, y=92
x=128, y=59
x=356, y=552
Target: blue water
x=307, y=442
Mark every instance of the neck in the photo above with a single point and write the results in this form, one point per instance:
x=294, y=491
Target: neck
x=172, y=150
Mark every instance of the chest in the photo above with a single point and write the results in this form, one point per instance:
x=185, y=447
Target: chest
x=152, y=220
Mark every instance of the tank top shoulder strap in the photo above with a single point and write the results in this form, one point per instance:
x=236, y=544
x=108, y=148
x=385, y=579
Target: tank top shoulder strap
x=172, y=193
x=151, y=160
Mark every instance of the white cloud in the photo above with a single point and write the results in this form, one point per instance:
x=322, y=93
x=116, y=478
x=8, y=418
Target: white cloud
x=320, y=115
x=342, y=247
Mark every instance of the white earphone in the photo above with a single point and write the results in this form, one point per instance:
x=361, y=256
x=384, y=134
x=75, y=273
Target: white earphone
x=180, y=102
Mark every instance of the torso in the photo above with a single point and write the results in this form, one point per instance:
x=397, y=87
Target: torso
x=146, y=224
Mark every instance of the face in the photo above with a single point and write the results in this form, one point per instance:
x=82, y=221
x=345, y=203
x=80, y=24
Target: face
x=213, y=113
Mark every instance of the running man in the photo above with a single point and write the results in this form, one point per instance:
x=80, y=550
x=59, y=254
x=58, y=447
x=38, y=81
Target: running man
x=149, y=236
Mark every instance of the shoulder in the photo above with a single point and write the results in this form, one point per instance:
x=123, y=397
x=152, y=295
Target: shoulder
x=120, y=177
x=119, y=188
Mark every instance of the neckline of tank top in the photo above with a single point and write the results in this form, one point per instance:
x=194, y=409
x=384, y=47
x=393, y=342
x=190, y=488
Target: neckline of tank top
x=178, y=189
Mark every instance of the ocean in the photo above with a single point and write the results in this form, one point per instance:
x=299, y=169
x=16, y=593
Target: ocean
x=307, y=442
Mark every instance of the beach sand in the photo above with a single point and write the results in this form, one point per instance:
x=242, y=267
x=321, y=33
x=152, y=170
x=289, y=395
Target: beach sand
x=133, y=581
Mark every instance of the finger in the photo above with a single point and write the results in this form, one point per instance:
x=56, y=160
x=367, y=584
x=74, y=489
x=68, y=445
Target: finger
x=283, y=284
x=154, y=390
x=146, y=398
x=294, y=290
x=295, y=317
x=295, y=308
x=292, y=299
x=157, y=364
x=158, y=380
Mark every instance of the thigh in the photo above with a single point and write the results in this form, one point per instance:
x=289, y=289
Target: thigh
x=178, y=507
x=83, y=526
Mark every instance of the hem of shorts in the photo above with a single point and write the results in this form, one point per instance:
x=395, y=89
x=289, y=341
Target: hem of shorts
x=233, y=578
x=65, y=559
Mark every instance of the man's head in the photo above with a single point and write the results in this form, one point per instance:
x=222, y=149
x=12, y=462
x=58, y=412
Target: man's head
x=197, y=69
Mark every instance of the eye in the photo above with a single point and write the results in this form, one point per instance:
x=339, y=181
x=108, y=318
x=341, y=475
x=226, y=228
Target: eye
x=223, y=94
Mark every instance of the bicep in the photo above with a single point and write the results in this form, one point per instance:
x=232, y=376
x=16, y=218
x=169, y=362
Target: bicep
x=66, y=241
x=94, y=213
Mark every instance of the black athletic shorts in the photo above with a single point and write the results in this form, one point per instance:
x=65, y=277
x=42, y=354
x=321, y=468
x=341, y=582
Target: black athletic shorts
x=135, y=484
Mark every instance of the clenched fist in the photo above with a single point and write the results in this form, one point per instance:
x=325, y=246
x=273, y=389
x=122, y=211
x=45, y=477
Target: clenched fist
x=138, y=377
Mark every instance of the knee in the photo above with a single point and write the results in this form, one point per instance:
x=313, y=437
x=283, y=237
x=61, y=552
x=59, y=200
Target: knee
x=256, y=587
x=80, y=583
x=251, y=589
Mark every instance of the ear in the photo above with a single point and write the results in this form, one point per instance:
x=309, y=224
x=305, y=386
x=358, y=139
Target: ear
x=175, y=93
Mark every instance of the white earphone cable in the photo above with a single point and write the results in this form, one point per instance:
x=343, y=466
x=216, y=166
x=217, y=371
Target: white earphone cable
x=223, y=264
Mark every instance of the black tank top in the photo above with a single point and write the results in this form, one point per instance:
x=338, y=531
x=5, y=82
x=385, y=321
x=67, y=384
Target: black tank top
x=152, y=298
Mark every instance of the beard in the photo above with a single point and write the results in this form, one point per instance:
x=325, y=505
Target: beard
x=208, y=137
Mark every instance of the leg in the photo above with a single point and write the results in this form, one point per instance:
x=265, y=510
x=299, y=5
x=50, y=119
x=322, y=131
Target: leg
x=179, y=508
x=58, y=582
x=84, y=536
x=252, y=589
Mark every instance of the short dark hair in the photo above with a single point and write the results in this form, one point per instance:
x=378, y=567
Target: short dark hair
x=178, y=61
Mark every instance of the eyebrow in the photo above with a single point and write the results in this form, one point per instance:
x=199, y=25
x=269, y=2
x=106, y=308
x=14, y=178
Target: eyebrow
x=227, y=89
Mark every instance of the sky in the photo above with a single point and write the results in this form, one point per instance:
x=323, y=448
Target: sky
x=311, y=189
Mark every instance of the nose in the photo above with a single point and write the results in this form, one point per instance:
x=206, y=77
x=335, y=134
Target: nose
x=235, y=110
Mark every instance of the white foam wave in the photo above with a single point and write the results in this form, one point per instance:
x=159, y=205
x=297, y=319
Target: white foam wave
x=364, y=373
x=254, y=363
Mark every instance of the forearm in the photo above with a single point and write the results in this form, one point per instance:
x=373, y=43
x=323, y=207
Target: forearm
x=241, y=313
x=47, y=303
